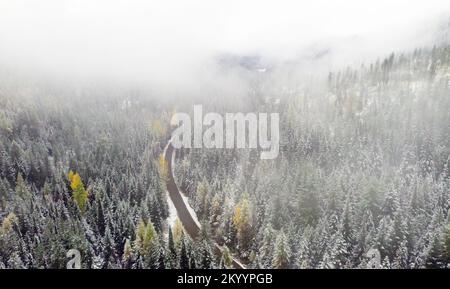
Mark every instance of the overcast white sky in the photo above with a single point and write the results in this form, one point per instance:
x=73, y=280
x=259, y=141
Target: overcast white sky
x=126, y=38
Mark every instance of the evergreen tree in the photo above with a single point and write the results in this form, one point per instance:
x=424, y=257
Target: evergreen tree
x=171, y=251
x=436, y=253
x=206, y=255
x=277, y=214
x=282, y=254
x=100, y=218
x=184, y=258
x=3, y=195
x=192, y=262
x=22, y=189
x=127, y=257
x=226, y=257
x=267, y=247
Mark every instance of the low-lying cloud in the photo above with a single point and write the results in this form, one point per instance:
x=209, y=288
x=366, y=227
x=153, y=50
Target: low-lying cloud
x=175, y=43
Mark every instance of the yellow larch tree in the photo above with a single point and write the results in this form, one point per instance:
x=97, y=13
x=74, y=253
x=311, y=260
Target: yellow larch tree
x=79, y=193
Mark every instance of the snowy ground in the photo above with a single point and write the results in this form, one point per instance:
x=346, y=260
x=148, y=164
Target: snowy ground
x=172, y=212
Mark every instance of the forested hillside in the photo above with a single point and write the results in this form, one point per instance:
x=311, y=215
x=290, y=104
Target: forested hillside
x=80, y=172
x=364, y=164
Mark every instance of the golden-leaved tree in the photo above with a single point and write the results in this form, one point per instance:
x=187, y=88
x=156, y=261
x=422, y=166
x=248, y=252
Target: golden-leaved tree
x=79, y=193
x=242, y=221
x=146, y=238
x=163, y=168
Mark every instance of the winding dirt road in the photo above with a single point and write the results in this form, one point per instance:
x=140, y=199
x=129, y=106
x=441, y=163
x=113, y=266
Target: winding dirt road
x=188, y=221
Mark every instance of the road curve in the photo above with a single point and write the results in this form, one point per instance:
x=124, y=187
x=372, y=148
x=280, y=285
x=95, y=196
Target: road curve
x=188, y=221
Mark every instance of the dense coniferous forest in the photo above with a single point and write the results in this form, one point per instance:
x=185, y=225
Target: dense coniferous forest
x=364, y=165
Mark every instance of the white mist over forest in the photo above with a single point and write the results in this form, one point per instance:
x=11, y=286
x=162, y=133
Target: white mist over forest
x=176, y=43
